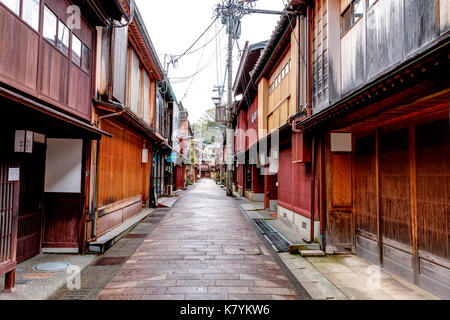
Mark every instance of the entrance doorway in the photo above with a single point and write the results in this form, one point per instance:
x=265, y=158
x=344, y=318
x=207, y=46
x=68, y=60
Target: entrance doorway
x=30, y=204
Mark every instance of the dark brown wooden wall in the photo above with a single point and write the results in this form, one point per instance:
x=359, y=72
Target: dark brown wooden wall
x=365, y=180
x=33, y=65
x=433, y=187
x=19, y=47
x=395, y=186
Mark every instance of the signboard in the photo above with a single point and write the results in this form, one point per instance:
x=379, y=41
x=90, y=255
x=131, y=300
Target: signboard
x=23, y=141
x=19, y=141
x=144, y=155
x=172, y=157
x=39, y=138
x=221, y=114
x=341, y=142
x=13, y=174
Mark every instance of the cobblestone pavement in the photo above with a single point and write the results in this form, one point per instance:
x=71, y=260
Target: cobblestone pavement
x=204, y=249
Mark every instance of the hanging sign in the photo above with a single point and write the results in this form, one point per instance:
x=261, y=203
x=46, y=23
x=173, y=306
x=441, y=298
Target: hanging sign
x=13, y=174
x=23, y=141
x=144, y=155
x=172, y=157
x=19, y=141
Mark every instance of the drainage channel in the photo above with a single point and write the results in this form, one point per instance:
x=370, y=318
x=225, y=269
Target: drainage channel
x=279, y=243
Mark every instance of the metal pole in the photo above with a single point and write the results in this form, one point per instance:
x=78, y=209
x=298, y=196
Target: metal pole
x=230, y=144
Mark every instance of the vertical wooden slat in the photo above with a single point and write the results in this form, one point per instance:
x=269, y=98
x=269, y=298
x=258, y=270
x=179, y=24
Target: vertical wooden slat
x=353, y=193
x=378, y=195
x=413, y=184
x=2, y=215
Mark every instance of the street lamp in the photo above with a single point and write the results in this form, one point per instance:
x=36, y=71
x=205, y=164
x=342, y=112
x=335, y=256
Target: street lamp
x=217, y=101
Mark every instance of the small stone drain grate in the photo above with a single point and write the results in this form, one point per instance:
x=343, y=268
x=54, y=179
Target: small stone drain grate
x=275, y=238
x=136, y=236
x=52, y=267
x=110, y=261
x=76, y=295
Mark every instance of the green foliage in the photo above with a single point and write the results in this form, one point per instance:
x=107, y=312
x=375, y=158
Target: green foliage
x=209, y=127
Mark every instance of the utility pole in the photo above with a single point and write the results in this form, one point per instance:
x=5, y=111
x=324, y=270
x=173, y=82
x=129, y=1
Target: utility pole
x=230, y=134
x=232, y=13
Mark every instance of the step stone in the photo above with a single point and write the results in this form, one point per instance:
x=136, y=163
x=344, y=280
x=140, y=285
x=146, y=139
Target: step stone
x=312, y=253
x=295, y=248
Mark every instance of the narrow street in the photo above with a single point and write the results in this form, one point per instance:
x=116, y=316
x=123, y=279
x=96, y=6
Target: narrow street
x=203, y=249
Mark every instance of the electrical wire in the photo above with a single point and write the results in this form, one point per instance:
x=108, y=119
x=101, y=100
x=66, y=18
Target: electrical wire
x=200, y=48
x=199, y=62
x=199, y=70
x=178, y=57
x=295, y=37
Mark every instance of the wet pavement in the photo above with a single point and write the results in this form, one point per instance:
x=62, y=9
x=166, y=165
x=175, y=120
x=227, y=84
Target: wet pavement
x=203, y=249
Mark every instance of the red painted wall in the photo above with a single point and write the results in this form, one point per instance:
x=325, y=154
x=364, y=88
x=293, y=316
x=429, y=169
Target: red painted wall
x=241, y=129
x=180, y=177
x=240, y=176
x=258, y=180
x=294, y=181
x=252, y=138
x=285, y=177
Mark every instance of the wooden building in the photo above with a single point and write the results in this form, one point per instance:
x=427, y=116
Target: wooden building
x=249, y=180
x=184, y=136
x=47, y=76
x=281, y=75
x=380, y=119
x=131, y=104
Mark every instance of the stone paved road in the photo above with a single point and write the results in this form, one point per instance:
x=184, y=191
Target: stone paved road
x=203, y=249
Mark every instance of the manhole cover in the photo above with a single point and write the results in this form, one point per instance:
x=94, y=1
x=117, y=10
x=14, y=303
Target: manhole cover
x=52, y=267
x=110, y=261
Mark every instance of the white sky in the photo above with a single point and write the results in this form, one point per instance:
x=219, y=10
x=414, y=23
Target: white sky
x=174, y=25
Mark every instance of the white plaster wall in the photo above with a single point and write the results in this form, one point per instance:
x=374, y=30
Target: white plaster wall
x=297, y=221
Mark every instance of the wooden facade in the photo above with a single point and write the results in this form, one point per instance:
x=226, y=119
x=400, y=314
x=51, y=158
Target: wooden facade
x=131, y=163
x=47, y=72
x=385, y=197
x=373, y=72
x=249, y=181
x=282, y=77
x=48, y=66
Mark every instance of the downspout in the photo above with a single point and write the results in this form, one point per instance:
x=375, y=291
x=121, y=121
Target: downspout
x=322, y=194
x=313, y=188
x=309, y=110
x=111, y=62
x=299, y=65
x=308, y=64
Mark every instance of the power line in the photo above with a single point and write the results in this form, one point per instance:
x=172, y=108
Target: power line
x=198, y=49
x=200, y=60
x=178, y=57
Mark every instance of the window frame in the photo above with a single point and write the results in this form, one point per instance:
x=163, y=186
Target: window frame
x=68, y=39
x=43, y=26
x=89, y=59
x=353, y=19
x=19, y=14
x=72, y=51
x=21, y=9
x=371, y=5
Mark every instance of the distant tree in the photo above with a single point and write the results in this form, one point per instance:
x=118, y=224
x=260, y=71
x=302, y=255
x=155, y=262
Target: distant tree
x=209, y=127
